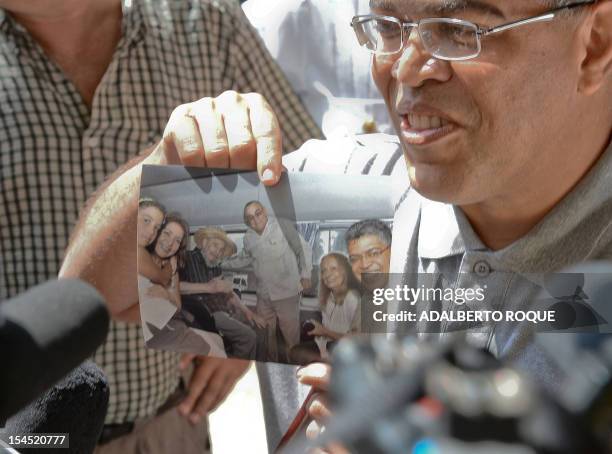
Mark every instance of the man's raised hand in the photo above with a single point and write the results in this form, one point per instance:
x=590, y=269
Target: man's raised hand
x=233, y=130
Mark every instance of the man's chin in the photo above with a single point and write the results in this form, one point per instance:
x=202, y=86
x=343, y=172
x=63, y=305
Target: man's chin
x=436, y=186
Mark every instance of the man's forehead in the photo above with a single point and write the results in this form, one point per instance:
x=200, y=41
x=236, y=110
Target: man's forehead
x=365, y=242
x=253, y=207
x=439, y=7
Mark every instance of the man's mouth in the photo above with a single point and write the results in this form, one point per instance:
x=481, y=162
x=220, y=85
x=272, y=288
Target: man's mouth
x=423, y=122
x=420, y=129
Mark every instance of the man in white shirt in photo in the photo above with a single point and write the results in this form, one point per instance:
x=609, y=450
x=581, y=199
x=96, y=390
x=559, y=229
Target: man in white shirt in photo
x=282, y=267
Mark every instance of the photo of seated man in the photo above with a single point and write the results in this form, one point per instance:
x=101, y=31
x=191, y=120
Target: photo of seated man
x=206, y=295
x=282, y=266
x=339, y=303
x=165, y=325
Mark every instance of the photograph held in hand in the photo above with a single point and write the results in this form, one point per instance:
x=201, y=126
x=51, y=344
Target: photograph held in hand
x=230, y=268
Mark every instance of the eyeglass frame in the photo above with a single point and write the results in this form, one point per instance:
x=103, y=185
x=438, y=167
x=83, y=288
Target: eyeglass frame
x=370, y=254
x=480, y=31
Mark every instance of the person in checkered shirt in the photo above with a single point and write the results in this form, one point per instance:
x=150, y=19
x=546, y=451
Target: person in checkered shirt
x=86, y=86
x=532, y=101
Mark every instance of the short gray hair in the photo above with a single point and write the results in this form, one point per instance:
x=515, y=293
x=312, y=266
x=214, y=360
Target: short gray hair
x=369, y=227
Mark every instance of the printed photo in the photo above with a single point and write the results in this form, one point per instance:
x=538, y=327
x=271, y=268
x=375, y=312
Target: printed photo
x=230, y=268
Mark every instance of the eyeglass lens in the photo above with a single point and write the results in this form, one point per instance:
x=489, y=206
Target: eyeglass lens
x=369, y=254
x=442, y=38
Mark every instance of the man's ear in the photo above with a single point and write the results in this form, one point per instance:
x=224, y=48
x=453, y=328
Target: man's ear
x=596, y=68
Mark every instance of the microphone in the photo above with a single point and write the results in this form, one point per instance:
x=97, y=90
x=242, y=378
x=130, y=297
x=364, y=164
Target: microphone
x=45, y=333
x=76, y=405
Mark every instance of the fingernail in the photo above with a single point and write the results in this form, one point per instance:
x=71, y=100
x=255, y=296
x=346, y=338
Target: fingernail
x=300, y=373
x=268, y=176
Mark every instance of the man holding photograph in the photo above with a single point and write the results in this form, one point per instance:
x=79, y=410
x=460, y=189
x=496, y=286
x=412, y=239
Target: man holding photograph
x=85, y=86
x=505, y=127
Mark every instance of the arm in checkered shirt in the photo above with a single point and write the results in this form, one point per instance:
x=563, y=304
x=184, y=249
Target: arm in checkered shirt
x=233, y=130
x=102, y=249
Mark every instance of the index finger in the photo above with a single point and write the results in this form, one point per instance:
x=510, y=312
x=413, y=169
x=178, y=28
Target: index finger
x=316, y=375
x=267, y=135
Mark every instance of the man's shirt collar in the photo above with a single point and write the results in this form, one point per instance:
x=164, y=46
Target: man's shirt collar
x=133, y=23
x=444, y=231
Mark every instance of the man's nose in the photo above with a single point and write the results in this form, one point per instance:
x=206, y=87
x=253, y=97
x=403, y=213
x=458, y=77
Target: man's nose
x=366, y=263
x=416, y=65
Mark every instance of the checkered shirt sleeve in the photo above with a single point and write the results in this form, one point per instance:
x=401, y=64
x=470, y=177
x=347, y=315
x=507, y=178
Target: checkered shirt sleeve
x=54, y=150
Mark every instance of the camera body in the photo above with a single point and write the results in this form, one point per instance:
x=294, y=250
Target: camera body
x=391, y=395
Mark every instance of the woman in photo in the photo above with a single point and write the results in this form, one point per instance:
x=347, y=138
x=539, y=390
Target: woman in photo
x=339, y=301
x=151, y=215
x=164, y=324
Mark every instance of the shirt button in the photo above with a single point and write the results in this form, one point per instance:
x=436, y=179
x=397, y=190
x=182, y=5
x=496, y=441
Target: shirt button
x=482, y=269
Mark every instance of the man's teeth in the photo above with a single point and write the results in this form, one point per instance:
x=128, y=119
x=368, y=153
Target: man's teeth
x=426, y=122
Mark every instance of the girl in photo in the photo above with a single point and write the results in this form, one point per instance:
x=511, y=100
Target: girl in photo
x=164, y=324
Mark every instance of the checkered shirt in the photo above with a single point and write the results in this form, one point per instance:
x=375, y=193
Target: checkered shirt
x=54, y=151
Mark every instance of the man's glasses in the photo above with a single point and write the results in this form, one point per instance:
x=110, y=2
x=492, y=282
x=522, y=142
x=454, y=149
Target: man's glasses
x=370, y=254
x=443, y=38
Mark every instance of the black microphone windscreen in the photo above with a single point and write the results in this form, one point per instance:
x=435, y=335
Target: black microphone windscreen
x=76, y=405
x=44, y=333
